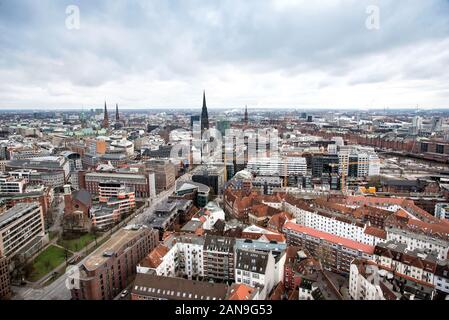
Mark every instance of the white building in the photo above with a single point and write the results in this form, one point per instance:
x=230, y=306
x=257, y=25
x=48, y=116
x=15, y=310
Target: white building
x=361, y=284
x=209, y=215
x=12, y=185
x=415, y=240
x=256, y=269
x=278, y=167
x=442, y=210
x=178, y=256
x=326, y=223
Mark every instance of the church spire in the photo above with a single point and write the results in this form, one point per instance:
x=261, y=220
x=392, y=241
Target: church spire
x=246, y=115
x=204, y=115
x=105, y=124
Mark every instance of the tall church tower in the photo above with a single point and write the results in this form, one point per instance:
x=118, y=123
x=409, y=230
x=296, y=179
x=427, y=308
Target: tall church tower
x=246, y=115
x=204, y=115
x=105, y=124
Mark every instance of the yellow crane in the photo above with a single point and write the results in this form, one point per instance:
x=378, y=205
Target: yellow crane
x=344, y=167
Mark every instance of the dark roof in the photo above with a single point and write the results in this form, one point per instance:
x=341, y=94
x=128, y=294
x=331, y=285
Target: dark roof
x=403, y=183
x=177, y=288
x=83, y=196
x=217, y=243
x=192, y=226
x=220, y=225
x=252, y=261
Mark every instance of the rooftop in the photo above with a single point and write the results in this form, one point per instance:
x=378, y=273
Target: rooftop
x=178, y=288
x=16, y=212
x=330, y=237
x=111, y=247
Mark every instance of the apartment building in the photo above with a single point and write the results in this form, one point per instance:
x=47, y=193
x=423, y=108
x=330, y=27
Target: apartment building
x=255, y=269
x=218, y=253
x=109, y=269
x=331, y=221
x=178, y=256
x=414, y=239
x=275, y=248
x=336, y=253
x=21, y=226
x=115, y=202
x=418, y=264
x=370, y=281
x=267, y=184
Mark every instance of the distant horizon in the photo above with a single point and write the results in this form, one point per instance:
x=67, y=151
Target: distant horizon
x=231, y=108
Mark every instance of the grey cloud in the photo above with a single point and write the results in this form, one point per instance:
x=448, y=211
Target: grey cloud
x=184, y=40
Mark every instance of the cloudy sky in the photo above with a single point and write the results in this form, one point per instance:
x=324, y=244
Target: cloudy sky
x=264, y=53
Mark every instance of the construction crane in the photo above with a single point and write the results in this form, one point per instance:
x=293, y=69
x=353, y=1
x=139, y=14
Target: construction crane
x=344, y=170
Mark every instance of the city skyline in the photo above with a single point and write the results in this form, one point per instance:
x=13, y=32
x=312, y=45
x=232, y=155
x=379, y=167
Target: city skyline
x=273, y=54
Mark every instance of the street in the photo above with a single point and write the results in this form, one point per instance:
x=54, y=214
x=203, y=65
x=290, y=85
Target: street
x=57, y=290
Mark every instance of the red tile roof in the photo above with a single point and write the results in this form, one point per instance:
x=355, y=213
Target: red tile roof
x=154, y=259
x=330, y=237
x=373, y=231
x=241, y=292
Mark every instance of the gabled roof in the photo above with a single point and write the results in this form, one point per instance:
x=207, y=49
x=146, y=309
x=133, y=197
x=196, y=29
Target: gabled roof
x=83, y=196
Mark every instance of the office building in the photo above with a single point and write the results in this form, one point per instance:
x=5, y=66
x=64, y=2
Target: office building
x=21, y=229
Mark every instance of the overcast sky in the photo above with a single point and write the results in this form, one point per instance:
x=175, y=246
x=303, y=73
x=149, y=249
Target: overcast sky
x=263, y=53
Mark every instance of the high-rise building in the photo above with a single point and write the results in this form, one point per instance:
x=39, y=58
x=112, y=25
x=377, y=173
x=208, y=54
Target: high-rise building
x=204, y=115
x=117, y=115
x=105, y=124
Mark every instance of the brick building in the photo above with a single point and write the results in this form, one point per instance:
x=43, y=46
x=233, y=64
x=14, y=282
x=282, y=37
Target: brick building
x=110, y=268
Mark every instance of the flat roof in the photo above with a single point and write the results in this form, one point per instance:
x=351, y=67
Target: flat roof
x=112, y=246
x=15, y=212
x=192, y=226
x=115, y=175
